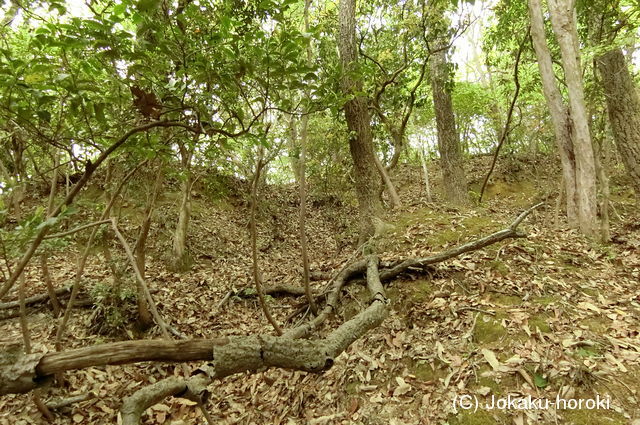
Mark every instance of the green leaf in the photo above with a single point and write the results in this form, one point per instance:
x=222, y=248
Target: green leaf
x=44, y=115
x=540, y=380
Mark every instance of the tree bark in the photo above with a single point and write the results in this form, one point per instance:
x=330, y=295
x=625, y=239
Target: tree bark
x=358, y=121
x=563, y=21
x=453, y=178
x=181, y=259
x=302, y=180
x=145, y=318
x=294, y=149
x=559, y=113
x=388, y=184
x=623, y=106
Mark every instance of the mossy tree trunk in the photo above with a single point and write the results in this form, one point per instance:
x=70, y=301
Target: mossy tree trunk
x=451, y=161
x=358, y=121
x=623, y=106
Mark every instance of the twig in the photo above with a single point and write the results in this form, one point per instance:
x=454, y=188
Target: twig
x=77, y=229
x=64, y=402
x=490, y=313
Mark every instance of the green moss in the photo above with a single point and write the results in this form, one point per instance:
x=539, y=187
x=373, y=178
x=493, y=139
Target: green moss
x=592, y=417
x=545, y=300
x=393, y=293
x=496, y=388
x=540, y=321
x=498, y=266
x=426, y=372
x=596, y=324
x=488, y=329
x=420, y=290
x=590, y=291
x=587, y=351
x=519, y=192
x=480, y=417
x=507, y=300
x=352, y=387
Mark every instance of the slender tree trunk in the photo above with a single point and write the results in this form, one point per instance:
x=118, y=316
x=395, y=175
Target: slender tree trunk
x=294, y=149
x=623, y=106
x=358, y=121
x=44, y=255
x=563, y=21
x=388, y=184
x=253, y=228
x=303, y=183
x=145, y=318
x=559, y=113
x=453, y=178
x=425, y=172
x=108, y=234
x=181, y=258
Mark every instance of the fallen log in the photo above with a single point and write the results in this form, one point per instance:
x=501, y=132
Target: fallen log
x=63, y=293
x=60, y=292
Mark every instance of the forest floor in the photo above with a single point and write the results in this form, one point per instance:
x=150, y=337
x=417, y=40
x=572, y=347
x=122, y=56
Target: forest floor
x=552, y=315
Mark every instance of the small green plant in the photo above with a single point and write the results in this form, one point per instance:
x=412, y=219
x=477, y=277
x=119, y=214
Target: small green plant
x=114, y=309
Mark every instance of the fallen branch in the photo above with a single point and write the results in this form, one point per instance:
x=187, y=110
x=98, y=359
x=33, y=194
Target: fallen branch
x=36, y=298
x=280, y=289
x=510, y=232
x=64, y=402
x=82, y=300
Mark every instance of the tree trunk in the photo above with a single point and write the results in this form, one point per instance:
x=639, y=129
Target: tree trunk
x=388, y=184
x=559, y=113
x=623, y=106
x=181, y=258
x=425, y=172
x=302, y=163
x=358, y=122
x=145, y=318
x=453, y=178
x=564, y=26
x=294, y=149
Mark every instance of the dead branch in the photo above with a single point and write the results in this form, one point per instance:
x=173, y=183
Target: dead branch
x=507, y=233
x=275, y=290
x=77, y=229
x=64, y=402
x=82, y=300
x=35, y=299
